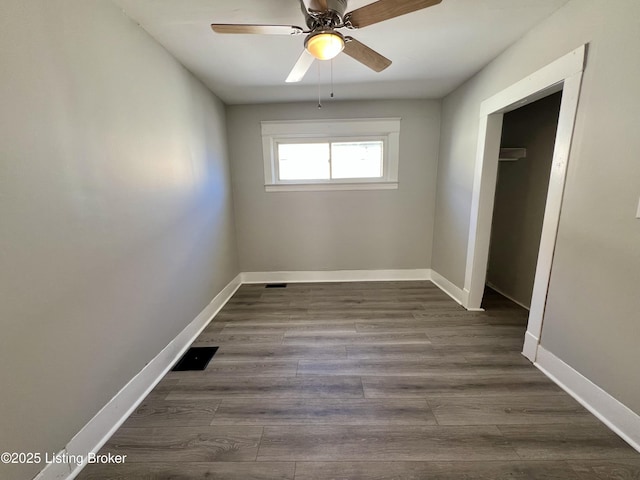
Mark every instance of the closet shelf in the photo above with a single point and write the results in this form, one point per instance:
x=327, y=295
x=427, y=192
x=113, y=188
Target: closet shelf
x=512, y=154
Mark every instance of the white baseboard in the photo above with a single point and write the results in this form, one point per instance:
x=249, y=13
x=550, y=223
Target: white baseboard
x=104, y=424
x=615, y=415
x=336, y=276
x=56, y=471
x=455, y=292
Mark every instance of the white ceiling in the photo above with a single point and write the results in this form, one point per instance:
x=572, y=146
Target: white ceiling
x=433, y=50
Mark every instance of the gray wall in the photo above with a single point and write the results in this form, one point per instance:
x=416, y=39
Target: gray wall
x=591, y=318
x=521, y=195
x=116, y=219
x=336, y=230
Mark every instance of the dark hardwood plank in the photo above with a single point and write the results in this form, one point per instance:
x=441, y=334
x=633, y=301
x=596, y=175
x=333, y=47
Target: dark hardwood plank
x=396, y=352
x=461, y=319
x=392, y=326
x=279, y=302
x=513, y=341
x=476, y=331
x=459, y=470
x=217, y=339
x=230, y=315
x=531, y=383
x=441, y=305
x=330, y=411
x=482, y=350
x=190, y=470
x=290, y=326
x=453, y=365
x=371, y=443
x=355, y=338
x=384, y=367
x=367, y=305
x=348, y=314
x=297, y=321
x=509, y=410
x=492, y=355
x=161, y=413
x=258, y=387
x=185, y=444
x=264, y=352
x=614, y=469
x=512, y=363
x=567, y=441
x=279, y=308
x=261, y=352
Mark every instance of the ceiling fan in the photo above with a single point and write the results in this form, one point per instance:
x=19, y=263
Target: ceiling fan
x=323, y=41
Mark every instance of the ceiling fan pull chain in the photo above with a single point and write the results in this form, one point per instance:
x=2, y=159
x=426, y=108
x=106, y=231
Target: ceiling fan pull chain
x=319, y=93
x=332, y=78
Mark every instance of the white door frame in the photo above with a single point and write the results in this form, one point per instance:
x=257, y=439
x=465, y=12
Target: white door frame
x=563, y=74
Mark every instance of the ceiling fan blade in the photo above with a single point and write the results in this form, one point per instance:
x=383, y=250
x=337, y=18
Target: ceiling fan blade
x=301, y=67
x=257, y=29
x=385, y=9
x=365, y=55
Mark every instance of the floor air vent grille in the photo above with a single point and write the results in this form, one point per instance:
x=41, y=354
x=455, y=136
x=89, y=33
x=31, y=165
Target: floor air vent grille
x=196, y=358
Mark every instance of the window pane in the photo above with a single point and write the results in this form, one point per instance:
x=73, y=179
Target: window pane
x=303, y=161
x=357, y=159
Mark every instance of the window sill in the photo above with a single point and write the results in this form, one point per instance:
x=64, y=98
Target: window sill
x=321, y=187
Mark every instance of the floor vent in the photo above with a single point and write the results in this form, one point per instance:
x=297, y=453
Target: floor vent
x=196, y=358
x=276, y=285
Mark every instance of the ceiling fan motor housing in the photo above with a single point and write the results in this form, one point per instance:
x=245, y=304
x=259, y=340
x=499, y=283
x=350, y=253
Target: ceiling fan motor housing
x=331, y=17
x=337, y=6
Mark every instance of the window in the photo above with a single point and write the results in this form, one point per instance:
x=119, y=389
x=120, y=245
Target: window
x=331, y=160
x=331, y=154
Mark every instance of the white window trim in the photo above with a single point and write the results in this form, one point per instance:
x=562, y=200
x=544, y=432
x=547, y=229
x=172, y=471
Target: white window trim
x=385, y=129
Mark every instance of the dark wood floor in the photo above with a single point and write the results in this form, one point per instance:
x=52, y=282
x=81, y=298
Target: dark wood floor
x=364, y=381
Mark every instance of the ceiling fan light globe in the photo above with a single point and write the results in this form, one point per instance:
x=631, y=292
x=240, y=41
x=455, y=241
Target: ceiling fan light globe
x=325, y=45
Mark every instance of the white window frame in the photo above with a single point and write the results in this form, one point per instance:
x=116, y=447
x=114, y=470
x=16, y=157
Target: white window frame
x=386, y=130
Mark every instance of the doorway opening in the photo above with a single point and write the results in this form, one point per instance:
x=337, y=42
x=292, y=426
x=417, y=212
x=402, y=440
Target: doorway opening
x=564, y=74
x=524, y=169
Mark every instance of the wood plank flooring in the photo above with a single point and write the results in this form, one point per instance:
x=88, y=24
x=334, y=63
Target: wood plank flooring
x=364, y=381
